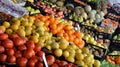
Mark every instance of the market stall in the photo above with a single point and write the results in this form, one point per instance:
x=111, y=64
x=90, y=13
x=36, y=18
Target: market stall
x=59, y=33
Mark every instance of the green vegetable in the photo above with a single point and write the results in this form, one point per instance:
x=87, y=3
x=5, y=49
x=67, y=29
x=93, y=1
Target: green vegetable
x=107, y=64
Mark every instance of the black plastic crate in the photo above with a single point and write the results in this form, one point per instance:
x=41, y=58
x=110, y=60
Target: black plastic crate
x=97, y=50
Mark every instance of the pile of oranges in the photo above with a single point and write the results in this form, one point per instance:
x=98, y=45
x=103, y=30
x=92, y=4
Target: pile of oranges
x=61, y=29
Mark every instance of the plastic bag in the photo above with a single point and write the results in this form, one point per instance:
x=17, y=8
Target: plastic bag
x=9, y=7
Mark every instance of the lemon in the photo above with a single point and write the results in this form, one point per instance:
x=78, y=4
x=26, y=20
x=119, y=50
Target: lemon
x=58, y=52
x=9, y=31
x=66, y=53
x=3, y=28
x=17, y=22
x=70, y=59
x=21, y=32
x=6, y=24
x=14, y=27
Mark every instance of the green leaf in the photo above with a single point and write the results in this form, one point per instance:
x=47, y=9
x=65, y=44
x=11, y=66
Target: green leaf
x=107, y=64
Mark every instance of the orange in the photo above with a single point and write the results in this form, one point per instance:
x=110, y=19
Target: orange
x=66, y=36
x=53, y=26
x=71, y=38
x=37, y=20
x=54, y=31
x=76, y=40
x=47, y=23
x=43, y=19
x=26, y=15
x=60, y=25
x=51, y=19
x=67, y=27
x=77, y=33
x=59, y=34
x=81, y=44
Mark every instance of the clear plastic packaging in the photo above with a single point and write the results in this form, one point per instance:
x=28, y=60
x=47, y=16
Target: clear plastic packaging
x=7, y=6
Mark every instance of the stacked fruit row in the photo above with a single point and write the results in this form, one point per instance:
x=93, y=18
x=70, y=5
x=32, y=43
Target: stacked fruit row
x=53, y=35
x=16, y=50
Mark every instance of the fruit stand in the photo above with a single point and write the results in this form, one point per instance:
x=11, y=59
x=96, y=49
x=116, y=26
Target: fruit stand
x=59, y=33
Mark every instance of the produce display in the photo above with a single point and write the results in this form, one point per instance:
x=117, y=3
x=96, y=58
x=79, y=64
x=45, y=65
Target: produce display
x=59, y=33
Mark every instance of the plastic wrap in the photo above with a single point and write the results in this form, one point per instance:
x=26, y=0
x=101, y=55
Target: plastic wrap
x=9, y=7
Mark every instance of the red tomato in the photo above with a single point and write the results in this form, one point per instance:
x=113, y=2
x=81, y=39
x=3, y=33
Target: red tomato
x=11, y=59
x=57, y=61
x=68, y=65
x=10, y=52
x=50, y=59
x=37, y=48
x=35, y=59
x=3, y=36
x=2, y=49
x=31, y=63
x=22, y=47
x=40, y=59
x=18, y=41
x=18, y=54
x=22, y=62
x=12, y=36
x=39, y=64
x=54, y=65
x=8, y=44
x=3, y=57
x=40, y=53
x=29, y=53
x=1, y=31
x=63, y=63
x=30, y=44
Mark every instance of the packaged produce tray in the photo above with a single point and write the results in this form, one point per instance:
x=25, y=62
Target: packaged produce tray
x=98, y=52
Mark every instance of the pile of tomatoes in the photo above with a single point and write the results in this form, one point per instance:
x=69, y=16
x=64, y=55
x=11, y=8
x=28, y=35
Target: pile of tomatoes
x=16, y=50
